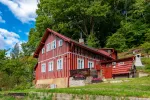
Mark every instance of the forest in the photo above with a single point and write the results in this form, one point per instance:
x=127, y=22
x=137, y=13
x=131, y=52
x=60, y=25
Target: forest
x=119, y=24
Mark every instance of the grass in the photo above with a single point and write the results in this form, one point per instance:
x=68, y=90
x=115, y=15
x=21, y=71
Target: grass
x=138, y=87
x=134, y=87
x=146, y=63
x=6, y=97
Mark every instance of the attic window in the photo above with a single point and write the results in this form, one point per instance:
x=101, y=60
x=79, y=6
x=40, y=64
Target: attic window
x=48, y=47
x=60, y=42
x=53, y=44
x=43, y=50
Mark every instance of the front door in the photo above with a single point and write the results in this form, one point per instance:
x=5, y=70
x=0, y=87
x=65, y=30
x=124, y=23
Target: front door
x=108, y=72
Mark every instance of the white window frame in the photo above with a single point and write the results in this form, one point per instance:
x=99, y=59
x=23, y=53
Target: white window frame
x=80, y=63
x=60, y=43
x=53, y=44
x=43, y=50
x=43, y=67
x=60, y=64
x=48, y=48
x=90, y=64
x=50, y=66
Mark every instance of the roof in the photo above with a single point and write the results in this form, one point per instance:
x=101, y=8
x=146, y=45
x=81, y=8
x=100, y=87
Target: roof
x=122, y=59
x=45, y=36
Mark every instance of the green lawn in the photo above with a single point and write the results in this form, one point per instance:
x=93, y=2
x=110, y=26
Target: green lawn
x=136, y=87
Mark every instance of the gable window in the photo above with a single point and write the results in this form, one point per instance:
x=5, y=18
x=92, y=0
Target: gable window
x=60, y=43
x=60, y=64
x=53, y=44
x=50, y=66
x=48, y=47
x=80, y=63
x=43, y=67
x=90, y=64
x=43, y=50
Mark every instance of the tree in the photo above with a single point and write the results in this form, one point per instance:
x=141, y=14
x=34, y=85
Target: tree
x=15, y=51
x=92, y=41
x=146, y=47
x=117, y=41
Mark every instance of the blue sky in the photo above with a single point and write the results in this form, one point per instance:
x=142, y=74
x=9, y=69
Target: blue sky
x=16, y=19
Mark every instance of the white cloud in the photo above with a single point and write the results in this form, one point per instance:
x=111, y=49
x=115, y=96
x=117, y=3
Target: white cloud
x=8, y=39
x=24, y=10
x=1, y=20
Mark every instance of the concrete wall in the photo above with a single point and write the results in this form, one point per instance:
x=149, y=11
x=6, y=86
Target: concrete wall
x=64, y=96
x=45, y=83
x=74, y=83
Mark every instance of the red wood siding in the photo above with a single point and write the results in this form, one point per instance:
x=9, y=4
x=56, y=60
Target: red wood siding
x=78, y=52
x=54, y=55
x=118, y=68
x=122, y=68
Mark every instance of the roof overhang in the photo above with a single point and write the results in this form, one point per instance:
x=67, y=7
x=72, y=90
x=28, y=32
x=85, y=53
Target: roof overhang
x=48, y=31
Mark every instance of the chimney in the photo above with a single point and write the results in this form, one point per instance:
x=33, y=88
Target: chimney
x=81, y=40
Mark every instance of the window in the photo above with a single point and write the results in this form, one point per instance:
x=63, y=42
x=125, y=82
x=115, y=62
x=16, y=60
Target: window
x=53, y=46
x=60, y=64
x=109, y=51
x=43, y=50
x=60, y=42
x=80, y=63
x=48, y=47
x=113, y=63
x=90, y=64
x=43, y=67
x=121, y=63
x=50, y=66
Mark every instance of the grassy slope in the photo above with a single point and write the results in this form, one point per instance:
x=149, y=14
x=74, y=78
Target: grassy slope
x=136, y=87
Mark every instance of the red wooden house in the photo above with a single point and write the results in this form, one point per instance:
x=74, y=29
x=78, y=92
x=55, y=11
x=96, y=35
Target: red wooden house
x=60, y=57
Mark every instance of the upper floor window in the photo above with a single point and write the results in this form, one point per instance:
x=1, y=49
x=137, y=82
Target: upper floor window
x=43, y=50
x=80, y=63
x=90, y=64
x=43, y=67
x=48, y=47
x=53, y=45
x=60, y=64
x=60, y=43
x=50, y=66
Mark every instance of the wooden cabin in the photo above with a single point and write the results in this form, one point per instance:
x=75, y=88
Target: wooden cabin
x=61, y=58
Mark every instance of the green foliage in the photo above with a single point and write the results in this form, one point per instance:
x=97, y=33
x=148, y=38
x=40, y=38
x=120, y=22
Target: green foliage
x=92, y=41
x=146, y=63
x=15, y=51
x=130, y=18
x=16, y=72
x=117, y=41
x=146, y=47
